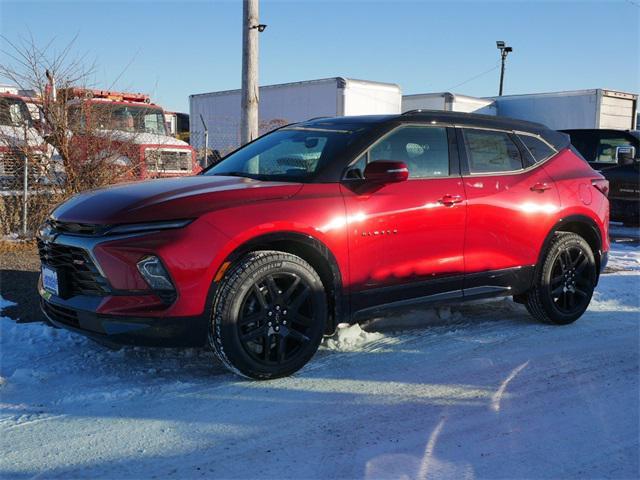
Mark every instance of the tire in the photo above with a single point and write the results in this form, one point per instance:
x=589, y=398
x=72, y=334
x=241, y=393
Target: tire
x=269, y=315
x=564, y=281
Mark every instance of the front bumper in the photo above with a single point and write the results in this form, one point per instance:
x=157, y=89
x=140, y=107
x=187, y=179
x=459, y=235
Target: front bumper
x=103, y=296
x=118, y=330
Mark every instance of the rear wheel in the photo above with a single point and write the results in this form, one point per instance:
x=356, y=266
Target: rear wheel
x=564, y=282
x=269, y=315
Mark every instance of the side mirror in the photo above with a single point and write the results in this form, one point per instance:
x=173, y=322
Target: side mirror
x=386, y=171
x=625, y=154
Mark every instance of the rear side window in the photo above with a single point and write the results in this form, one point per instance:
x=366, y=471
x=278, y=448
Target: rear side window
x=490, y=152
x=538, y=149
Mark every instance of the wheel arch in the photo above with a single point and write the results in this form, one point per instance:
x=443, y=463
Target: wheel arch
x=314, y=252
x=582, y=225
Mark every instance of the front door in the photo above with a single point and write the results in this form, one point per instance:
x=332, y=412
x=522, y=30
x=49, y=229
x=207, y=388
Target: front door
x=406, y=239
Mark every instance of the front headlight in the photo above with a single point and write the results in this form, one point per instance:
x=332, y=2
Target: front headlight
x=148, y=227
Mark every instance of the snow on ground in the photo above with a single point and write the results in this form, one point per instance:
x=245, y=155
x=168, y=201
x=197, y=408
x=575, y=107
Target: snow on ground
x=471, y=391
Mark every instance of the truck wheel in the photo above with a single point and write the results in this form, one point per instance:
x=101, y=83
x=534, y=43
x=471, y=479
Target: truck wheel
x=565, y=281
x=269, y=315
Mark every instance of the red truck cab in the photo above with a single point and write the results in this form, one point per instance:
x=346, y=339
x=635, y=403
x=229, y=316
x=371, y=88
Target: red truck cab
x=129, y=130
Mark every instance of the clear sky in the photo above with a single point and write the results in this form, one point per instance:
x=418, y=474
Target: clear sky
x=171, y=49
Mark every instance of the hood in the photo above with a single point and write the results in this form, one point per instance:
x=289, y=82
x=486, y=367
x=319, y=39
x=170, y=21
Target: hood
x=12, y=136
x=142, y=138
x=167, y=199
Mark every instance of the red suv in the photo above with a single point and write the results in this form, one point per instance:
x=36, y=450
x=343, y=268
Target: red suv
x=326, y=221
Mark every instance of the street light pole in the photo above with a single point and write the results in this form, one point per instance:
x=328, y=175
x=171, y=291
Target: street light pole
x=504, y=51
x=250, y=92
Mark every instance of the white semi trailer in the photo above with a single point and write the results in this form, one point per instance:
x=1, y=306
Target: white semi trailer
x=288, y=103
x=450, y=102
x=595, y=108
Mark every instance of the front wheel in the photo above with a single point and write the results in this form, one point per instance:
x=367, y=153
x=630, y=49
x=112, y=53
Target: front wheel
x=269, y=315
x=565, y=281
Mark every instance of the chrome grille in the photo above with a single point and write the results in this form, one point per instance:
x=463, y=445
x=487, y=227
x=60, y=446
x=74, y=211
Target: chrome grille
x=78, y=274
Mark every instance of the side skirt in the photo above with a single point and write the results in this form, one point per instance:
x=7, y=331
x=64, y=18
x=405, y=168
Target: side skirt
x=495, y=283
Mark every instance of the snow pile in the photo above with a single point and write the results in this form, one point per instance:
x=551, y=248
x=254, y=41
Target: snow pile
x=350, y=338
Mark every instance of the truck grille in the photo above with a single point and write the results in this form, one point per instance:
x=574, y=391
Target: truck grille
x=12, y=169
x=168, y=161
x=78, y=275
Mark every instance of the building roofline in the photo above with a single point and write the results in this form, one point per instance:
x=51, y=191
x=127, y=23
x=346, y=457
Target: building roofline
x=341, y=81
x=585, y=91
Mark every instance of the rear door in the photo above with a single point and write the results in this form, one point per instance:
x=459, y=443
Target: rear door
x=406, y=239
x=511, y=203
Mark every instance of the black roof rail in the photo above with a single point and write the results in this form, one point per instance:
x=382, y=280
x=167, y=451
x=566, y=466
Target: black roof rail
x=319, y=118
x=417, y=110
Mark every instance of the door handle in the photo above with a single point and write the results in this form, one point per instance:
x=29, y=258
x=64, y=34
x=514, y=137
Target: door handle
x=540, y=187
x=450, y=200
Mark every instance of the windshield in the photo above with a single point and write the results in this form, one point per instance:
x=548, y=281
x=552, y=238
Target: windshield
x=128, y=118
x=293, y=153
x=14, y=112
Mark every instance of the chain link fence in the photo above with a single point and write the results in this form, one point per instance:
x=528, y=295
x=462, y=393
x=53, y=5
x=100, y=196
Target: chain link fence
x=27, y=191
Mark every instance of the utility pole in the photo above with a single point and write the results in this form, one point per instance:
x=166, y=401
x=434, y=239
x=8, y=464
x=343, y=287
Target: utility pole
x=250, y=94
x=504, y=51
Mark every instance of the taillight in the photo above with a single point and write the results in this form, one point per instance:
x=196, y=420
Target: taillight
x=602, y=185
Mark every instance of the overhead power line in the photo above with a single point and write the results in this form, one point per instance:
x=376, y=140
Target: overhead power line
x=495, y=67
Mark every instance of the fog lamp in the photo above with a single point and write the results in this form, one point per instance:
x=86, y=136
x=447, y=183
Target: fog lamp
x=154, y=273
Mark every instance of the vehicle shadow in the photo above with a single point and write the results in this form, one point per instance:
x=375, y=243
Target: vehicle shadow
x=20, y=287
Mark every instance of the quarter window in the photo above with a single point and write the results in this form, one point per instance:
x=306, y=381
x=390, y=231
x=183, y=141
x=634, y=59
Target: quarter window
x=538, y=149
x=490, y=152
x=425, y=150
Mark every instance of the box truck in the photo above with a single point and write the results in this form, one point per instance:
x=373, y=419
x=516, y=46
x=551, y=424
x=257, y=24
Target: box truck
x=288, y=103
x=451, y=102
x=595, y=108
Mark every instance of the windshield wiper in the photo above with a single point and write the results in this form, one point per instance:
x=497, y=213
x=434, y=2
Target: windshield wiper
x=233, y=174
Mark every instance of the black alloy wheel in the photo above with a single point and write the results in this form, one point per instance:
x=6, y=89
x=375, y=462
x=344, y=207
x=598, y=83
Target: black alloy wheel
x=571, y=280
x=269, y=315
x=276, y=318
x=564, y=281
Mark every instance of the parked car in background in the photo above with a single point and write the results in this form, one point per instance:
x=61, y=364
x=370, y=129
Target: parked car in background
x=616, y=153
x=324, y=222
x=129, y=128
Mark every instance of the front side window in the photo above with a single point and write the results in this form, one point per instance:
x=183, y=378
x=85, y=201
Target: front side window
x=292, y=153
x=128, y=118
x=13, y=111
x=425, y=150
x=538, y=149
x=491, y=152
